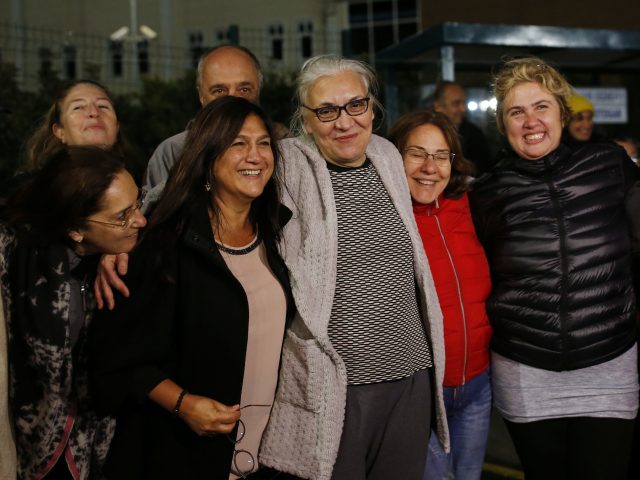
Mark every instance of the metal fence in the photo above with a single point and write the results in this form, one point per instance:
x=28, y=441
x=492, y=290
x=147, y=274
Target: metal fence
x=38, y=52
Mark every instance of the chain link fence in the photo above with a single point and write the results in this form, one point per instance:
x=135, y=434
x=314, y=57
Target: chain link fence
x=121, y=65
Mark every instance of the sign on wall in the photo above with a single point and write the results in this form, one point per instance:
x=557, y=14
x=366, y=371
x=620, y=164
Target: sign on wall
x=610, y=103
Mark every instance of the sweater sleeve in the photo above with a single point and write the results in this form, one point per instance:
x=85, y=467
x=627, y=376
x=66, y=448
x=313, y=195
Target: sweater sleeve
x=131, y=346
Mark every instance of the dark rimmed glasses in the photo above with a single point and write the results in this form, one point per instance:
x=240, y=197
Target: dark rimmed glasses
x=418, y=156
x=329, y=113
x=244, y=462
x=127, y=215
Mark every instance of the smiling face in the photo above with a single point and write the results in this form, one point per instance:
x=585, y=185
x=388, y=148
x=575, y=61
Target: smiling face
x=532, y=120
x=426, y=180
x=581, y=125
x=228, y=71
x=87, y=117
x=242, y=171
x=117, y=204
x=342, y=141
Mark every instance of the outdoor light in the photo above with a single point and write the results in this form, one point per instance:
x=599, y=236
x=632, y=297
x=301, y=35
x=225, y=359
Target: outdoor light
x=472, y=106
x=484, y=105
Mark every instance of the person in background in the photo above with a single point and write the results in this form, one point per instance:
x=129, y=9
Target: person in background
x=189, y=362
x=557, y=225
x=438, y=178
x=579, y=129
x=355, y=394
x=82, y=113
x=80, y=203
x=224, y=70
x=450, y=99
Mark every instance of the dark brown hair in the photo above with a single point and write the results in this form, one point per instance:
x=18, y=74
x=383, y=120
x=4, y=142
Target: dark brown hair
x=67, y=189
x=214, y=129
x=461, y=168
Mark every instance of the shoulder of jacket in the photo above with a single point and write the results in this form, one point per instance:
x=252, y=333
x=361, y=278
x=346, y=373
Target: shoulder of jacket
x=382, y=146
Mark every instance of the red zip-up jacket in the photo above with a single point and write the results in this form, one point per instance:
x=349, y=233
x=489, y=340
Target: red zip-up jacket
x=461, y=275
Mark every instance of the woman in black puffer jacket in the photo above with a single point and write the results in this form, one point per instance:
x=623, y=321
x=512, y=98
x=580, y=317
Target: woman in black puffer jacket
x=554, y=224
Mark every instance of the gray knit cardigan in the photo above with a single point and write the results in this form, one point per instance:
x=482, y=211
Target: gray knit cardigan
x=303, y=434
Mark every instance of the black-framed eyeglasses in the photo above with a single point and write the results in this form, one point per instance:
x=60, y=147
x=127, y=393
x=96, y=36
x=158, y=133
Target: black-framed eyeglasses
x=418, y=156
x=244, y=462
x=329, y=113
x=127, y=215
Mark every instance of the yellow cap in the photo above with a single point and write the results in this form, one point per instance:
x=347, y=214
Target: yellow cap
x=578, y=104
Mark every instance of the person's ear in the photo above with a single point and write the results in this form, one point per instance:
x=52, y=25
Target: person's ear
x=76, y=236
x=58, y=132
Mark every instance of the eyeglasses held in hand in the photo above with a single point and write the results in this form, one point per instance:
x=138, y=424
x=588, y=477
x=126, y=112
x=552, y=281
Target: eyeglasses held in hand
x=127, y=215
x=329, y=113
x=243, y=461
x=419, y=155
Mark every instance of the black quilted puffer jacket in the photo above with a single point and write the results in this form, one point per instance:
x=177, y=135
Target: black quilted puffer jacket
x=557, y=237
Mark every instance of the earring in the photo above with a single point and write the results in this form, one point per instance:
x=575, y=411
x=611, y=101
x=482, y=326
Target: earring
x=207, y=187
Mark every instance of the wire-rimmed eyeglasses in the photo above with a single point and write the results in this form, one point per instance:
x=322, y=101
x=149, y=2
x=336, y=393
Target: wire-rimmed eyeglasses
x=127, y=215
x=244, y=462
x=418, y=156
x=329, y=113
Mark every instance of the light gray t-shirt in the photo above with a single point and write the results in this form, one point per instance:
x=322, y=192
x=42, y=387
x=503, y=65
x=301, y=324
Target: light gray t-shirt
x=526, y=394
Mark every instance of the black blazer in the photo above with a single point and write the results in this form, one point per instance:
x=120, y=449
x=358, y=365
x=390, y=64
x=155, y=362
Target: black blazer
x=186, y=320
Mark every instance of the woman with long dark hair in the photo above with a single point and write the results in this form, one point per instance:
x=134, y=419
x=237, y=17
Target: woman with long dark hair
x=189, y=361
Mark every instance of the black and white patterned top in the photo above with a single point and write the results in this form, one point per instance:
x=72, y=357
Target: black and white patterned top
x=375, y=321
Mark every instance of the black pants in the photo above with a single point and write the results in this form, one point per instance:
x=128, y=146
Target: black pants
x=582, y=448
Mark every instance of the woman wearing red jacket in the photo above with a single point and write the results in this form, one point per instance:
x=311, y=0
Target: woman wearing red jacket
x=438, y=178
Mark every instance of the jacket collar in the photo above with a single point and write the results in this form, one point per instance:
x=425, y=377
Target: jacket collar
x=544, y=165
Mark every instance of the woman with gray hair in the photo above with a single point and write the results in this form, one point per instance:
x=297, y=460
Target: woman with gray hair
x=554, y=224
x=364, y=356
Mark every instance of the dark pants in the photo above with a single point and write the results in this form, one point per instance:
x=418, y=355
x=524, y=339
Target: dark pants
x=386, y=430
x=581, y=448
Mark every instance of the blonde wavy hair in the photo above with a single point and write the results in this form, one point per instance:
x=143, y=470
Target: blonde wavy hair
x=531, y=69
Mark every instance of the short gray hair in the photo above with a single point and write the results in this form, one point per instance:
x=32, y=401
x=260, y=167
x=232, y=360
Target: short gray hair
x=325, y=66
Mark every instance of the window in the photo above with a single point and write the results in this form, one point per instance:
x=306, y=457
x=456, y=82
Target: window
x=305, y=29
x=143, y=57
x=358, y=13
x=221, y=36
x=407, y=9
x=383, y=36
x=116, y=50
x=359, y=40
x=196, y=46
x=276, y=33
x=382, y=11
x=69, y=60
x=46, y=60
x=378, y=24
